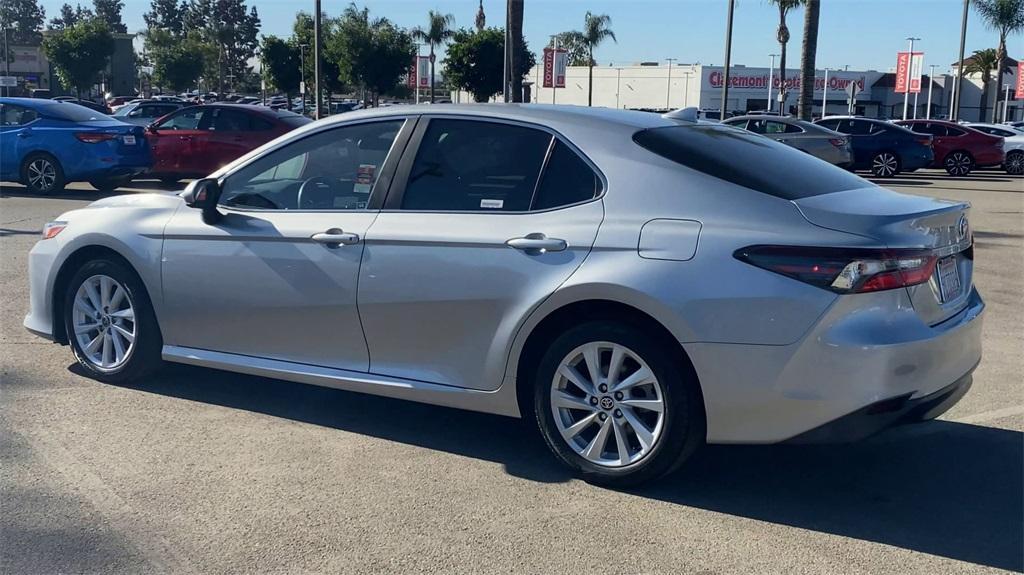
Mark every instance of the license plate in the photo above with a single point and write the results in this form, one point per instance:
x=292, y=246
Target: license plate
x=949, y=279
x=129, y=140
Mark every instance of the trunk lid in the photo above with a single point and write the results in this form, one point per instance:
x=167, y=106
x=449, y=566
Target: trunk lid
x=897, y=220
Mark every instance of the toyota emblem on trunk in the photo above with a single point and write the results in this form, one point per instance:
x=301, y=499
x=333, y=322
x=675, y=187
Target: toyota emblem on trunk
x=962, y=229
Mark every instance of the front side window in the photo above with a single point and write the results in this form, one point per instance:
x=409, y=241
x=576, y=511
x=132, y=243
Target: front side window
x=469, y=165
x=184, y=120
x=330, y=170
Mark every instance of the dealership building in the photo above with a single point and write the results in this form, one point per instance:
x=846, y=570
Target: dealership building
x=658, y=86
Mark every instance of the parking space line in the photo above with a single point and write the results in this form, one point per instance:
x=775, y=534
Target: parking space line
x=991, y=415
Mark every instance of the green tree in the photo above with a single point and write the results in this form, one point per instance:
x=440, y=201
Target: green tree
x=79, y=53
x=982, y=63
x=177, y=62
x=374, y=54
x=595, y=32
x=782, y=35
x=167, y=15
x=110, y=12
x=232, y=30
x=302, y=34
x=808, y=52
x=576, y=50
x=24, y=19
x=70, y=16
x=475, y=58
x=281, y=64
x=1005, y=17
x=437, y=32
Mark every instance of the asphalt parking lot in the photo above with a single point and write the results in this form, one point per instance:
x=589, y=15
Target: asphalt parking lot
x=199, y=471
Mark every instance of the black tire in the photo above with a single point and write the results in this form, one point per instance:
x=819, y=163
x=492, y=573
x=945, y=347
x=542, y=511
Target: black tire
x=110, y=184
x=144, y=358
x=41, y=162
x=886, y=164
x=958, y=163
x=684, y=424
x=1014, y=164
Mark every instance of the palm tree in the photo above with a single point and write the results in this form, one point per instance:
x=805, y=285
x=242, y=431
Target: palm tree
x=982, y=62
x=807, y=55
x=595, y=31
x=515, y=35
x=437, y=32
x=782, y=35
x=1005, y=17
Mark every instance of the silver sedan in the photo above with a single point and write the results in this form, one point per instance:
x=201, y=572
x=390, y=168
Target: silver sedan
x=818, y=141
x=636, y=285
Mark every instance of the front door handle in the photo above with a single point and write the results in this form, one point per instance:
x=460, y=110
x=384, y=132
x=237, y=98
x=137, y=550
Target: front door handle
x=535, y=244
x=335, y=238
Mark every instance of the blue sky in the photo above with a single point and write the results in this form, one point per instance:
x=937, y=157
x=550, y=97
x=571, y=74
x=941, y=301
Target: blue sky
x=864, y=34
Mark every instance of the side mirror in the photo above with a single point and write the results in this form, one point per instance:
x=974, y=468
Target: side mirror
x=203, y=195
x=151, y=128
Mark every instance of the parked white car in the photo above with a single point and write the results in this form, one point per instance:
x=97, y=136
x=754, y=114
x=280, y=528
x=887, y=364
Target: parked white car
x=1013, y=144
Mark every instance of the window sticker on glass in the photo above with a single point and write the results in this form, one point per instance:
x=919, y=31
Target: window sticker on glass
x=492, y=204
x=364, y=178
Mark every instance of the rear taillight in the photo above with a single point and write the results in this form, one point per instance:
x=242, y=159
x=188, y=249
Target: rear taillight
x=844, y=270
x=838, y=142
x=925, y=141
x=94, y=137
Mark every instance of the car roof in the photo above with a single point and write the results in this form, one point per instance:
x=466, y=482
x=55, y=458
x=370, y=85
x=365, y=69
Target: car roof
x=544, y=114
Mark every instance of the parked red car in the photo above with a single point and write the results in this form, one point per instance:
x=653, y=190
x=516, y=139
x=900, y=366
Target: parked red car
x=958, y=148
x=195, y=141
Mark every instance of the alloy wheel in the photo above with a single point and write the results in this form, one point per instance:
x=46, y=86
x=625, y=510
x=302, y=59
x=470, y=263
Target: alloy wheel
x=104, y=322
x=1015, y=163
x=958, y=164
x=41, y=174
x=885, y=165
x=607, y=404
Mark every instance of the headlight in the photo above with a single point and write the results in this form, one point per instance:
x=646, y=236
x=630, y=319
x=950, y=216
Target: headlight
x=51, y=229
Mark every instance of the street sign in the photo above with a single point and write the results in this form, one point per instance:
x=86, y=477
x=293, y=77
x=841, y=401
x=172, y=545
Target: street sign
x=916, y=64
x=8, y=81
x=302, y=88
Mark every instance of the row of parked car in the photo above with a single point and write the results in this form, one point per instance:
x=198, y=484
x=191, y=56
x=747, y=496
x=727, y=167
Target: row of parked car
x=44, y=144
x=889, y=148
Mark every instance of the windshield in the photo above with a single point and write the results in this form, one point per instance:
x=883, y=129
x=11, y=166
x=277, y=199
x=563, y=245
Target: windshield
x=748, y=160
x=73, y=113
x=124, y=110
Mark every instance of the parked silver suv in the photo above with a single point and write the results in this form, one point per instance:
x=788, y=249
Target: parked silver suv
x=637, y=285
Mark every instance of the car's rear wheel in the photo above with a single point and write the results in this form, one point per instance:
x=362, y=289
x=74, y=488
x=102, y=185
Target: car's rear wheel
x=885, y=164
x=616, y=405
x=958, y=163
x=1014, y=163
x=42, y=174
x=110, y=323
x=110, y=184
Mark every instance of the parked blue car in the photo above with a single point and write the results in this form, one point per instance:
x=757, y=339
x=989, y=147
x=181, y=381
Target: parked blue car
x=44, y=144
x=884, y=148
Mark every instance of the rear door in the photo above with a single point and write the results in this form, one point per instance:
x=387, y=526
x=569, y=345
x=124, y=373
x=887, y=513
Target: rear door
x=485, y=220
x=232, y=133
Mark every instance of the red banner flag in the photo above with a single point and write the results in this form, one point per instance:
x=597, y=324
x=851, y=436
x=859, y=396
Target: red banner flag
x=902, y=72
x=1020, y=82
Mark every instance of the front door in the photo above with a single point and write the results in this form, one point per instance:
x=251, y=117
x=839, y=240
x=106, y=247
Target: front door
x=14, y=120
x=276, y=277
x=473, y=236
x=171, y=141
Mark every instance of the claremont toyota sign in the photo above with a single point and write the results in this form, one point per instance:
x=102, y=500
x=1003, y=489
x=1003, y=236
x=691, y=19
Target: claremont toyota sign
x=756, y=79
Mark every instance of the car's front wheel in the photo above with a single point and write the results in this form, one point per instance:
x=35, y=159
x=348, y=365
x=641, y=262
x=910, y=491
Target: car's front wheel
x=959, y=164
x=110, y=322
x=885, y=164
x=1014, y=163
x=617, y=405
x=42, y=174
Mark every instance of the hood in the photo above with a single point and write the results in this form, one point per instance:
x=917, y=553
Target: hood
x=155, y=200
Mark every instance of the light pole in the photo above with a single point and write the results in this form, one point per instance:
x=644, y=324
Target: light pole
x=954, y=113
x=1006, y=103
x=728, y=59
x=931, y=82
x=7, y=60
x=824, y=95
x=771, y=73
x=910, y=68
x=318, y=64
x=686, y=87
x=554, y=65
x=668, y=95
x=302, y=76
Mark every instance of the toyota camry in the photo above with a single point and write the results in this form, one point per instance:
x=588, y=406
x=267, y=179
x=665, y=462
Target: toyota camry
x=636, y=285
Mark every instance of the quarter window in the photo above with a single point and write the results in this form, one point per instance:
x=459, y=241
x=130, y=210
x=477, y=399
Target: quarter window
x=331, y=170
x=467, y=165
x=567, y=180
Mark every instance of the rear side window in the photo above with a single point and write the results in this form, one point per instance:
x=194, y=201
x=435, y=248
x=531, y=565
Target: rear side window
x=567, y=180
x=745, y=159
x=830, y=124
x=468, y=165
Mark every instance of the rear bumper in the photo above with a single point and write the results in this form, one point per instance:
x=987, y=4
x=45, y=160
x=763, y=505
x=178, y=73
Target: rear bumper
x=865, y=351
x=887, y=413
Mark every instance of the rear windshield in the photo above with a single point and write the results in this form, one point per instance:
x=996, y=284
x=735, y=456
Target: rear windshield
x=72, y=112
x=748, y=160
x=295, y=120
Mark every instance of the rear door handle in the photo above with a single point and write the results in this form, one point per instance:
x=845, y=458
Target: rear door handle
x=24, y=134
x=535, y=244
x=335, y=238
